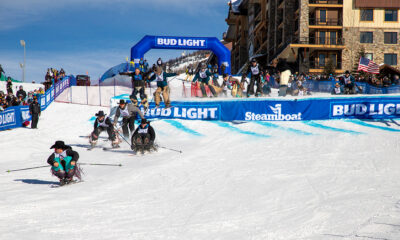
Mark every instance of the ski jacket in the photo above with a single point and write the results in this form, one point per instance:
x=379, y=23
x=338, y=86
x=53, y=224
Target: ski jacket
x=162, y=79
x=67, y=152
x=129, y=111
x=146, y=130
x=106, y=123
x=137, y=80
x=204, y=77
x=34, y=108
x=255, y=71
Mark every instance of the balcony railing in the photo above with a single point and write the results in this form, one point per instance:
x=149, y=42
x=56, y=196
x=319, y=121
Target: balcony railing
x=314, y=64
x=326, y=22
x=325, y=1
x=322, y=41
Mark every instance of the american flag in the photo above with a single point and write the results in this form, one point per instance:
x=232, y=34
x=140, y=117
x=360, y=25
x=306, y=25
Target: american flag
x=368, y=66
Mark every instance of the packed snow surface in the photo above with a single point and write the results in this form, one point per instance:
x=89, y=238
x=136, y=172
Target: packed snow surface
x=276, y=180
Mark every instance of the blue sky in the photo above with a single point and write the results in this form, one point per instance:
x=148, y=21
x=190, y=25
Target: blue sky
x=93, y=35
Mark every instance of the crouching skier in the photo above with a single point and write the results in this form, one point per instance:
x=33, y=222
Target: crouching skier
x=103, y=123
x=63, y=162
x=128, y=112
x=143, y=138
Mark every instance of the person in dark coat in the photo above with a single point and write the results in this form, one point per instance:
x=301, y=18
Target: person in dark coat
x=34, y=110
x=21, y=92
x=143, y=137
x=138, y=86
x=255, y=79
x=63, y=162
x=103, y=123
x=9, y=86
x=128, y=112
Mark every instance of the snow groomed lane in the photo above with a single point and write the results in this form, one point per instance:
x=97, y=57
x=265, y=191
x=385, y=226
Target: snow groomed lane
x=227, y=183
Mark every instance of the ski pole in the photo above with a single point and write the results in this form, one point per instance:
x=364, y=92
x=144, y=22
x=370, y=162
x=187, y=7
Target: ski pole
x=173, y=78
x=118, y=132
x=23, y=169
x=101, y=164
x=174, y=150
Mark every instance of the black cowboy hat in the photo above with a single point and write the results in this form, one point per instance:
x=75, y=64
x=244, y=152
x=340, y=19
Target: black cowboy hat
x=253, y=60
x=59, y=145
x=122, y=101
x=144, y=121
x=100, y=114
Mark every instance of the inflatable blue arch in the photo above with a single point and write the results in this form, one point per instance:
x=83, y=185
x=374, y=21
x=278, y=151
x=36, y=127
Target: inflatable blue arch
x=189, y=43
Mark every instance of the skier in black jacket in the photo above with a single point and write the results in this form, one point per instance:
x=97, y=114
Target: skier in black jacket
x=63, y=162
x=256, y=72
x=143, y=138
x=103, y=123
x=34, y=110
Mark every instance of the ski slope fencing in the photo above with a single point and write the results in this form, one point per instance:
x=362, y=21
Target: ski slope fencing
x=13, y=117
x=92, y=95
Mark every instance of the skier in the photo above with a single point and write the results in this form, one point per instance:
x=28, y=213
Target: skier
x=162, y=86
x=189, y=73
x=256, y=72
x=34, y=111
x=285, y=72
x=143, y=138
x=203, y=75
x=129, y=112
x=63, y=162
x=159, y=62
x=349, y=83
x=103, y=123
x=138, y=85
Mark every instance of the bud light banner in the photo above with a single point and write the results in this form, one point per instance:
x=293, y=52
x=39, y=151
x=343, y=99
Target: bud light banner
x=180, y=42
x=282, y=110
x=10, y=118
x=183, y=42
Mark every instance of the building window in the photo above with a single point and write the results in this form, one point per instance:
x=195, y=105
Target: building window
x=322, y=16
x=322, y=60
x=366, y=37
x=333, y=38
x=390, y=15
x=322, y=36
x=370, y=56
x=366, y=15
x=391, y=59
x=390, y=37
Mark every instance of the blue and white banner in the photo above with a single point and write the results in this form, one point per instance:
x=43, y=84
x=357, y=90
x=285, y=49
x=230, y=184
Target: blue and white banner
x=10, y=118
x=282, y=110
x=181, y=42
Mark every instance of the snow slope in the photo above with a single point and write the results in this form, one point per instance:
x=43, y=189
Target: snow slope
x=284, y=180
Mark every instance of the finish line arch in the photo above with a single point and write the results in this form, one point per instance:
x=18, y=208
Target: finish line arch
x=187, y=43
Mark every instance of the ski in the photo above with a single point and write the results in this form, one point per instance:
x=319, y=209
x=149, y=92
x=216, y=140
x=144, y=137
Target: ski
x=65, y=184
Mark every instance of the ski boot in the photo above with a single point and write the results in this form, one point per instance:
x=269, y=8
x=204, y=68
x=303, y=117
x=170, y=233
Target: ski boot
x=115, y=144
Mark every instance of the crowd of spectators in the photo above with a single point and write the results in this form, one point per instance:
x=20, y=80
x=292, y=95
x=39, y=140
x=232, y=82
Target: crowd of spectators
x=52, y=77
x=19, y=98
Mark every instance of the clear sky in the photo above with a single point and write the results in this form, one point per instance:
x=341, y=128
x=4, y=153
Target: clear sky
x=93, y=35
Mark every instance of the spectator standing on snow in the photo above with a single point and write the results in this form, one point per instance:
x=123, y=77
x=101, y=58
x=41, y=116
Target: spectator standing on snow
x=9, y=86
x=34, y=110
x=21, y=92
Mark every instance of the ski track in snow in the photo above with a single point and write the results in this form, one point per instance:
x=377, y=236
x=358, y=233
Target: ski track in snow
x=281, y=180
